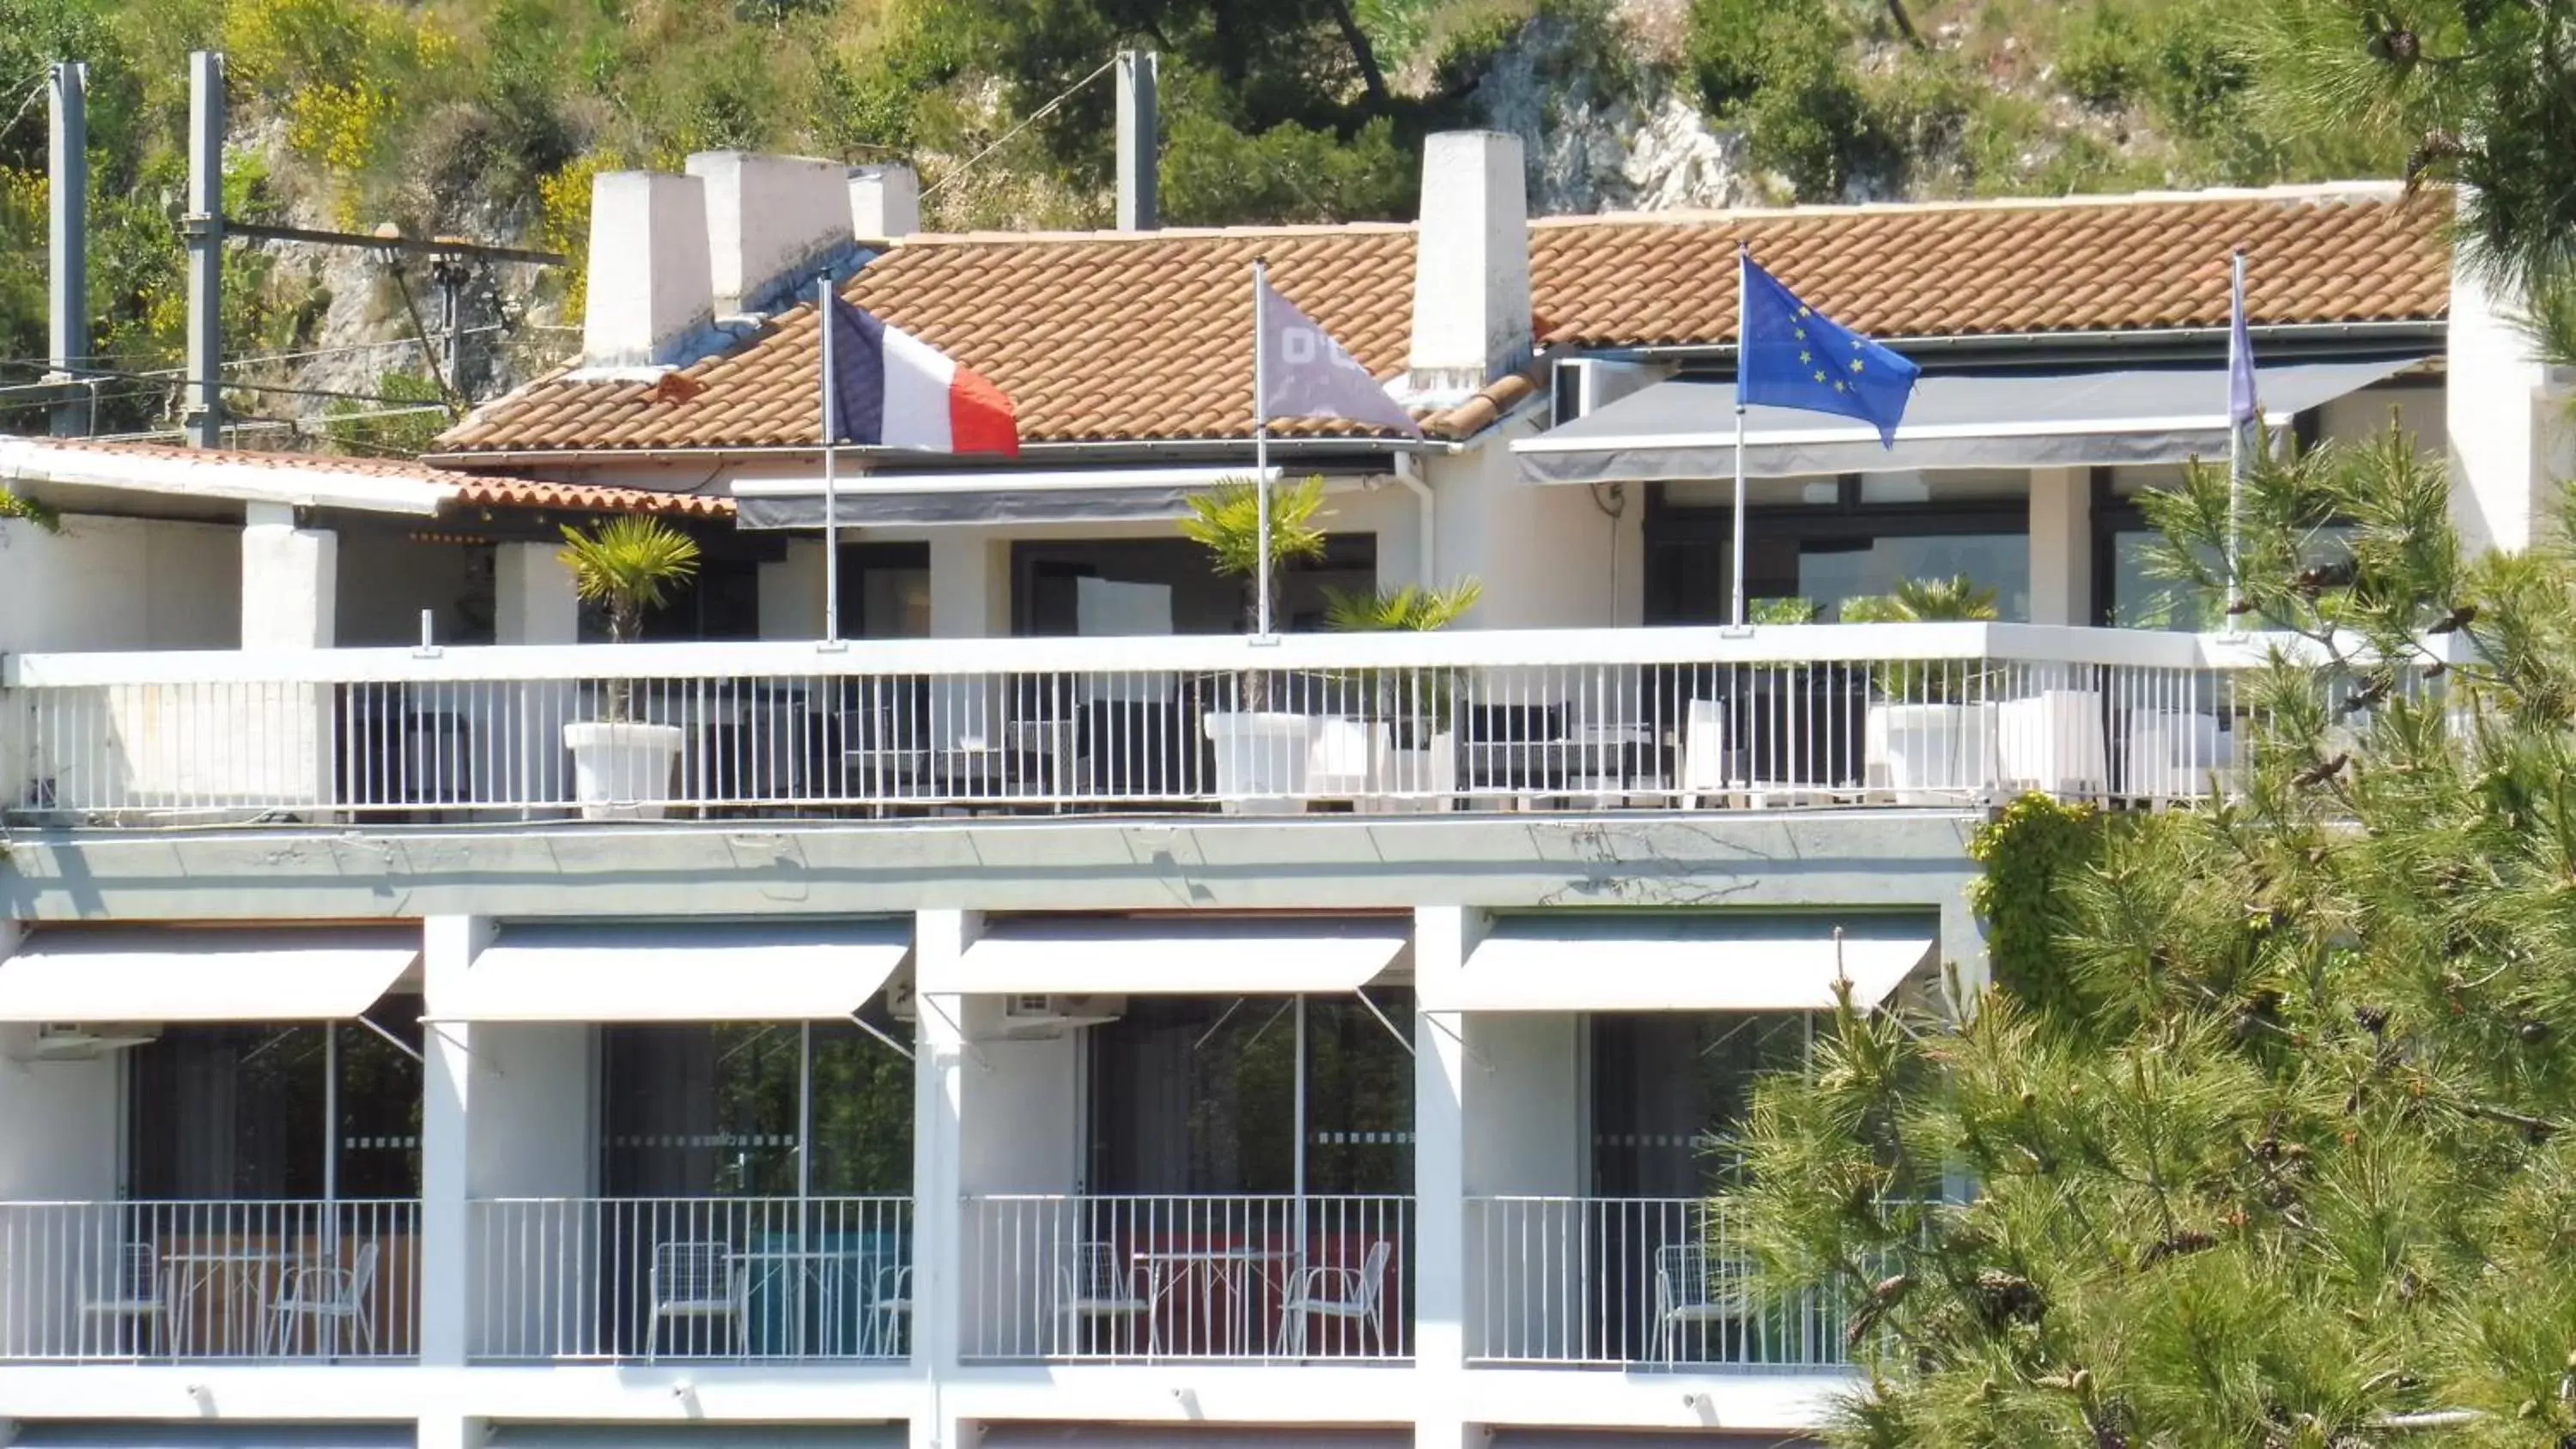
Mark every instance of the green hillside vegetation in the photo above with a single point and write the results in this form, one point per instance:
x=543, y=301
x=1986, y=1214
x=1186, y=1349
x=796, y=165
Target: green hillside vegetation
x=488, y=117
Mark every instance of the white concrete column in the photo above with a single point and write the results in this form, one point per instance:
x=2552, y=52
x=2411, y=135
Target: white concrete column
x=940, y=1065
x=791, y=592
x=448, y=947
x=533, y=598
x=2506, y=417
x=290, y=580
x=1442, y=937
x=2061, y=546
x=446, y=1429
x=969, y=599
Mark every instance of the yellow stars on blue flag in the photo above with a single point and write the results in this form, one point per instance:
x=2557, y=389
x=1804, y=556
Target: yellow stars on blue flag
x=1781, y=360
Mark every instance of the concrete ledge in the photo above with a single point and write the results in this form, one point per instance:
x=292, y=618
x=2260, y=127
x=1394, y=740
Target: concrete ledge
x=1891, y=858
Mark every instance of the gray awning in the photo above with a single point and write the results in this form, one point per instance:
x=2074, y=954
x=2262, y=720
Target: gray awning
x=949, y=497
x=1684, y=427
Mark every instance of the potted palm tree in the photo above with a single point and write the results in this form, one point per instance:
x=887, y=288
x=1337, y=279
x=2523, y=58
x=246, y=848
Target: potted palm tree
x=1416, y=707
x=1261, y=752
x=622, y=765
x=1930, y=729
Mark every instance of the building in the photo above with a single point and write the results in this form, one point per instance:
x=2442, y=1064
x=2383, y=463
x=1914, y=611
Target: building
x=963, y=1035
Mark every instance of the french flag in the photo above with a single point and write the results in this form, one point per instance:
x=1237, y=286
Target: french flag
x=887, y=388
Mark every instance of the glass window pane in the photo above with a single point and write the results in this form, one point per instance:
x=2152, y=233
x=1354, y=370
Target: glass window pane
x=380, y=1086
x=1950, y=486
x=1829, y=572
x=700, y=1110
x=1665, y=1084
x=1195, y=1094
x=227, y=1112
x=862, y=1110
x=1359, y=1095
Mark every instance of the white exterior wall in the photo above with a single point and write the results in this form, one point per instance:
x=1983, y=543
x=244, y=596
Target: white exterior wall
x=2507, y=428
x=1549, y=556
x=119, y=583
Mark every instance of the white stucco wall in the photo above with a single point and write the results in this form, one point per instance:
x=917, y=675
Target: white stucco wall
x=107, y=583
x=2507, y=429
x=1525, y=1104
x=1549, y=556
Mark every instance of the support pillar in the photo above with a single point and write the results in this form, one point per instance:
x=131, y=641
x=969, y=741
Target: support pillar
x=445, y=1429
x=290, y=579
x=791, y=592
x=202, y=395
x=1442, y=1233
x=969, y=599
x=534, y=603
x=2061, y=546
x=448, y=947
x=67, y=348
x=939, y=943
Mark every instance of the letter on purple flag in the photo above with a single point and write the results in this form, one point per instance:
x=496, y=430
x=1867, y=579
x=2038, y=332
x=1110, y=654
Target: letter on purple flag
x=1306, y=374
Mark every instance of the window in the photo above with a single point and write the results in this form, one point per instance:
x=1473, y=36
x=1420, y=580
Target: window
x=1043, y=589
x=1827, y=541
x=885, y=590
x=1200, y=1095
x=729, y=1109
x=277, y=1112
x=1664, y=1084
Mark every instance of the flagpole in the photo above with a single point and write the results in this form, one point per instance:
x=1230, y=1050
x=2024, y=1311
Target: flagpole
x=1260, y=454
x=2236, y=450
x=1743, y=259
x=831, y=471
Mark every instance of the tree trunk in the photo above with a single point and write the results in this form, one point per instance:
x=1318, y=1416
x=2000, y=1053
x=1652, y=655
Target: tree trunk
x=1366, y=54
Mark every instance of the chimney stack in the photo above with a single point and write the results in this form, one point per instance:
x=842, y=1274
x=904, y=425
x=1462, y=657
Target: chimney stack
x=770, y=220
x=1471, y=273
x=1139, y=141
x=651, y=286
x=885, y=202
x=67, y=327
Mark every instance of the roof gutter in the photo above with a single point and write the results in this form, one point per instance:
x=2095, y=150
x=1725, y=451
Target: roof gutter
x=33, y=460
x=1102, y=451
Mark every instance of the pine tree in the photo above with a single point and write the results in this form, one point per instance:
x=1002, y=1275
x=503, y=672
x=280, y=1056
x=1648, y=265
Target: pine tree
x=2276, y=1151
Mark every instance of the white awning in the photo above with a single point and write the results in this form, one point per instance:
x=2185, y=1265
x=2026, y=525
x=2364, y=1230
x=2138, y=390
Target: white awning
x=166, y=974
x=1688, y=962
x=1177, y=956
x=696, y=972
x=1684, y=427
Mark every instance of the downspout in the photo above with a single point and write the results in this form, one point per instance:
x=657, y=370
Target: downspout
x=1409, y=473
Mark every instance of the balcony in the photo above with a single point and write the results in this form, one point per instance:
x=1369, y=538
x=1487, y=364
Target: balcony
x=663, y=1280
x=1201, y=1279
x=1823, y=716
x=125, y=1282
x=1628, y=1283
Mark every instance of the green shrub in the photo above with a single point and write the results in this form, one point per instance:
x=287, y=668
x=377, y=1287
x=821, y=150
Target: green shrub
x=1215, y=175
x=2103, y=60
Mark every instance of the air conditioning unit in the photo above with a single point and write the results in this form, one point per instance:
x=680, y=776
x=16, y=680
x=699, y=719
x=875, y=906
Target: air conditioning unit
x=899, y=1002
x=1582, y=385
x=82, y=1041
x=1033, y=1015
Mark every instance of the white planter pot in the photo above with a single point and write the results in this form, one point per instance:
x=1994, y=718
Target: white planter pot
x=1423, y=781
x=1936, y=753
x=622, y=770
x=1262, y=759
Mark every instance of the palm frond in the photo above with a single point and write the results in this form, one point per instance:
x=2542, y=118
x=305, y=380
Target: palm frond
x=1410, y=609
x=1225, y=520
x=630, y=563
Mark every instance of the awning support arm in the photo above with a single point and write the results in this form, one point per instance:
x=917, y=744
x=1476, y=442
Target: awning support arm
x=871, y=1028
x=1455, y=1034
x=406, y=1048
x=1401, y=1039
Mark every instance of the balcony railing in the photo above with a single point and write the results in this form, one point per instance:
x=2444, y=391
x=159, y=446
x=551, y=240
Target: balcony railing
x=1157, y=1279
x=1806, y=716
x=1628, y=1282
x=141, y=1281
x=664, y=1279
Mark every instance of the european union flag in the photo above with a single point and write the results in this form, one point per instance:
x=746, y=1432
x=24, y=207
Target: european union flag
x=1792, y=356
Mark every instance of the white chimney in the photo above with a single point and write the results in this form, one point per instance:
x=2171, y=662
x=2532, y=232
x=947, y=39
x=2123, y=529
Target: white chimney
x=1471, y=275
x=885, y=202
x=648, y=285
x=769, y=221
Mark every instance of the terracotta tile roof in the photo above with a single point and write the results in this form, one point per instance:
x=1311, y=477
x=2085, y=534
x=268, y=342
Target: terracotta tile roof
x=1104, y=338
x=470, y=489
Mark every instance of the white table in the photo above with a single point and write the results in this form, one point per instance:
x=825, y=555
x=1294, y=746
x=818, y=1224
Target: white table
x=793, y=1269
x=1169, y=1270
x=235, y=1275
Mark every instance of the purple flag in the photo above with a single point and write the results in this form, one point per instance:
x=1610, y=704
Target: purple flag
x=2243, y=406
x=1306, y=374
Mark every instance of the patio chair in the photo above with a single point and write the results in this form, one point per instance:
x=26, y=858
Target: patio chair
x=697, y=1282
x=1354, y=1296
x=126, y=1290
x=1096, y=1285
x=1693, y=1289
x=889, y=1312
x=327, y=1296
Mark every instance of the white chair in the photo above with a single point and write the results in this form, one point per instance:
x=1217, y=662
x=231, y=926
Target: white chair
x=1704, y=760
x=1095, y=1286
x=889, y=1312
x=126, y=1290
x=1355, y=1296
x=1693, y=1289
x=696, y=1282
x=328, y=1296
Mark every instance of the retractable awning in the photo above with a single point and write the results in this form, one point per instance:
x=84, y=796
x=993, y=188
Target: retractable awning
x=1684, y=427
x=928, y=498
x=1709, y=961
x=1174, y=956
x=711, y=972
x=180, y=974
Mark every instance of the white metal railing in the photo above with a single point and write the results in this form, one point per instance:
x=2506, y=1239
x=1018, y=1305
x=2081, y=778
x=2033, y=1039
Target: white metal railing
x=1628, y=1282
x=647, y=1279
x=1697, y=718
x=126, y=1281
x=1208, y=1278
